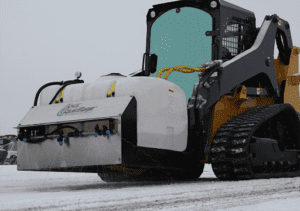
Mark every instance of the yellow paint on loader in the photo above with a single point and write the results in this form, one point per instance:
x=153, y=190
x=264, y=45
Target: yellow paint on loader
x=283, y=71
x=290, y=73
x=228, y=107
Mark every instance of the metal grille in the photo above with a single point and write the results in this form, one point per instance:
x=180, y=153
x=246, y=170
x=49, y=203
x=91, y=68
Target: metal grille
x=233, y=41
x=87, y=127
x=90, y=126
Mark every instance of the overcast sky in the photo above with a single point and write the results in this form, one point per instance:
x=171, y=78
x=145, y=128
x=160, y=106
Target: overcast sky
x=45, y=41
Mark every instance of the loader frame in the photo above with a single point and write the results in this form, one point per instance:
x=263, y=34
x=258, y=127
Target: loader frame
x=251, y=64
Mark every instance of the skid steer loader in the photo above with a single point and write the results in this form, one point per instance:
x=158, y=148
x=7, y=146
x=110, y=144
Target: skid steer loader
x=223, y=100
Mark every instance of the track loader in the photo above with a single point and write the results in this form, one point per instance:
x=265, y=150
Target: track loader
x=209, y=92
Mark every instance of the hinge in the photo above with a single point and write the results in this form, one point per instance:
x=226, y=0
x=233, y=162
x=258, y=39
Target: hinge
x=212, y=33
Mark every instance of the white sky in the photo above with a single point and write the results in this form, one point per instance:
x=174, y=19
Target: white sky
x=44, y=41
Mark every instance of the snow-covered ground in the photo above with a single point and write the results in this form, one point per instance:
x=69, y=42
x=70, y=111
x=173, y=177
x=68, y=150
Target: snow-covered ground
x=84, y=191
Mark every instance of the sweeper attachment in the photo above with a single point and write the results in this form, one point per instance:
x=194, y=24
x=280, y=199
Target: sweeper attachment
x=237, y=111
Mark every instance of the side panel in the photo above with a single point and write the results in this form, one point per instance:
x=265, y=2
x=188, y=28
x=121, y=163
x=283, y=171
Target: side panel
x=77, y=152
x=161, y=112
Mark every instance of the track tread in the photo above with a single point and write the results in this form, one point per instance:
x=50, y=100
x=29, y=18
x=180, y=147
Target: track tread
x=234, y=154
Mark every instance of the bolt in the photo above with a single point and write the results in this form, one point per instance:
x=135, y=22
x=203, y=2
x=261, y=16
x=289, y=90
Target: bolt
x=275, y=19
x=287, y=26
x=268, y=17
x=268, y=61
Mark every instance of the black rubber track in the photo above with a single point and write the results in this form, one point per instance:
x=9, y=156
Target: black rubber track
x=236, y=134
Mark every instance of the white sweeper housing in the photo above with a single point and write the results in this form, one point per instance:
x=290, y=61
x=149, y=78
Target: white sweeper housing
x=92, y=126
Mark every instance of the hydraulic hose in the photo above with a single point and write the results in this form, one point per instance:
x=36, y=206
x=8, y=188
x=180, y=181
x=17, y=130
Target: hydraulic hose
x=183, y=69
x=75, y=133
x=67, y=83
x=63, y=127
x=43, y=87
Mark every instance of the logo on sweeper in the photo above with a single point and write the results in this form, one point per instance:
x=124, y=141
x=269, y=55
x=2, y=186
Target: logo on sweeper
x=74, y=109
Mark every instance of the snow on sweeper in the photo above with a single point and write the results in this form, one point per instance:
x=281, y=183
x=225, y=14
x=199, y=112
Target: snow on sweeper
x=237, y=111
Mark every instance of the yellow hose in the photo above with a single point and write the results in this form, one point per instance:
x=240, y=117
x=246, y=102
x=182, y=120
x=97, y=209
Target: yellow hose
x=61, y=95
x=183, y=69
x=112, y=89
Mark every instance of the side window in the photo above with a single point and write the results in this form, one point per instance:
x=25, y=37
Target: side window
x=178, y=39
x=230, y=42
x=235, y=39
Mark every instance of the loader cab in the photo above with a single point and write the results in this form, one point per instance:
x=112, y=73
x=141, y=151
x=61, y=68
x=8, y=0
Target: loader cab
x=190, y=33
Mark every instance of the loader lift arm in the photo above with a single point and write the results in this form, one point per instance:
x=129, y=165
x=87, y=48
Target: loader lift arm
x=257, y=60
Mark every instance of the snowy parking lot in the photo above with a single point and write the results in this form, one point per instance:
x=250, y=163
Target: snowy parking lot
x=85, y=191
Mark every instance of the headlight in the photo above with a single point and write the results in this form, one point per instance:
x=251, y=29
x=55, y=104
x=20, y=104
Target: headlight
x=152, y=14
x=213, y=4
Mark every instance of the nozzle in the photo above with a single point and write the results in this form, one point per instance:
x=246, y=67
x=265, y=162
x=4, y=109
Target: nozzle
x=106, y=131
x=97, y=131
x=60, y=138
